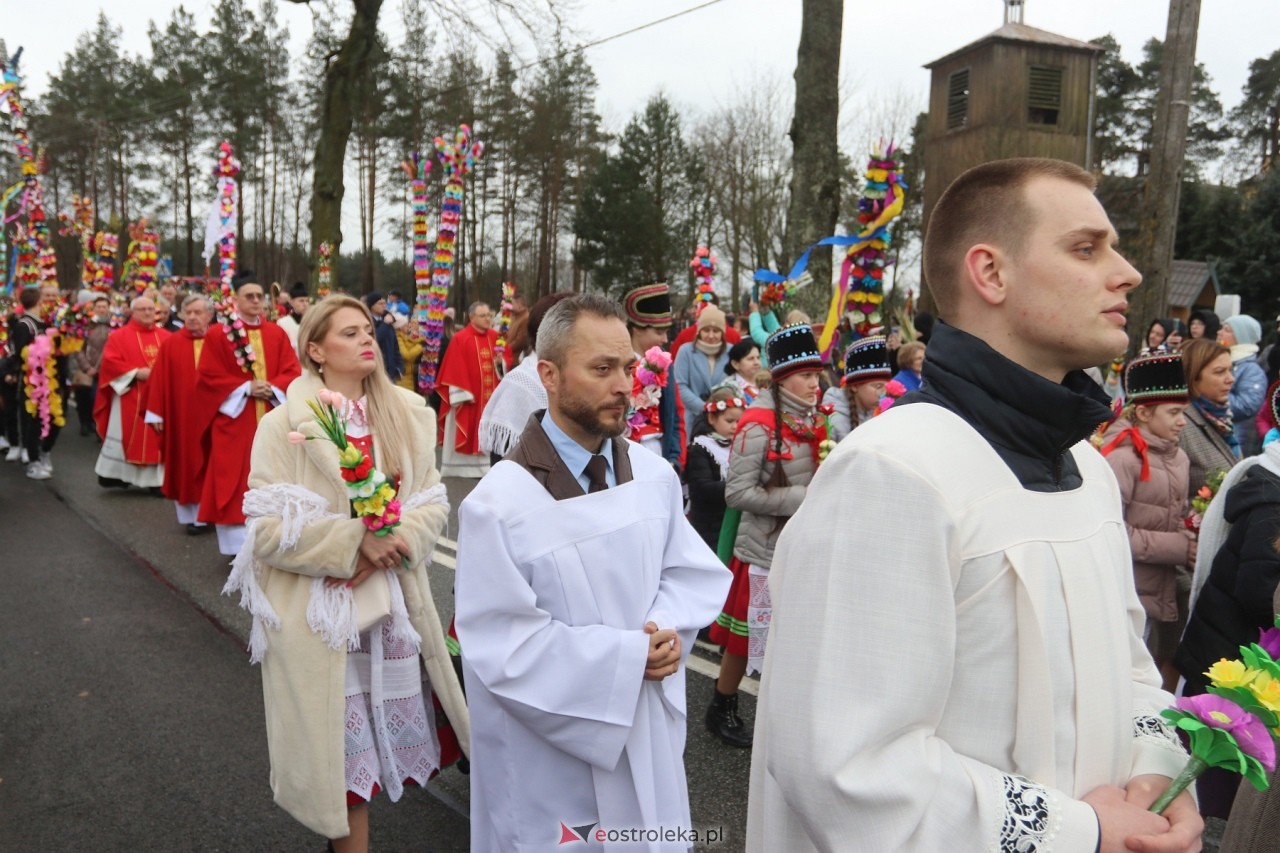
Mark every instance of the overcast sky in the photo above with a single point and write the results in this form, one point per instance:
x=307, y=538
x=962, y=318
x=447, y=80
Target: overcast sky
x=702, y=58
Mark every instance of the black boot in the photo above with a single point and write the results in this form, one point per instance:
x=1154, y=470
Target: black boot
x=723, y=720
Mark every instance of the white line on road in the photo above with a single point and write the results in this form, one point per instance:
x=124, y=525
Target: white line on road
x=702, y=666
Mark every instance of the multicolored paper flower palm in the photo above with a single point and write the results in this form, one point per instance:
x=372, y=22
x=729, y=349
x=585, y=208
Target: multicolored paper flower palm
x=373, y=496
x=458, y=157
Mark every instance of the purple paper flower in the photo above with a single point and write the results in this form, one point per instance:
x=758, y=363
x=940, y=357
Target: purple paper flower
x=1269, y=639
x=1250, y=733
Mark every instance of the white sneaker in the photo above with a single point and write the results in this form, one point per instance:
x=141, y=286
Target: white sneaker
x=46, y=462
x=26, y=459
x=14, y=454
x=36, y=471
x=4, y=443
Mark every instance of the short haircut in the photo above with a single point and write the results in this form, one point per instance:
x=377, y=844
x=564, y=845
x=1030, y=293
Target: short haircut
x=986, y=204
x=556, y=331
x=244, y=279
x=475, y=306
x=29, y=297
x=1196, y=356
x=907, y=352
x=192, y=298
x=528, y=336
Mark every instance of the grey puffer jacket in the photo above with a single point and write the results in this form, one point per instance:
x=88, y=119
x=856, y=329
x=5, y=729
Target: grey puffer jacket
x=766, y=509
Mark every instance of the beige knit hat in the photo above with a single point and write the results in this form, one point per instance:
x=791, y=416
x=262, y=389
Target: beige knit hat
x=711, y=316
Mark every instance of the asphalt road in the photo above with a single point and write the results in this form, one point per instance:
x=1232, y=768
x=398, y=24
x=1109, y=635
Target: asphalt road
x=130, y=718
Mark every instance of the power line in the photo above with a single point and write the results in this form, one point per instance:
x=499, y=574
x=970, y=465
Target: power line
x=149, y=111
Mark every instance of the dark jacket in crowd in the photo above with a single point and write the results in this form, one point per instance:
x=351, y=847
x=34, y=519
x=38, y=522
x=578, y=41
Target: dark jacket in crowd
x=1030, y=422
x=1236, y=600
x=385, y=334
x=706, y=488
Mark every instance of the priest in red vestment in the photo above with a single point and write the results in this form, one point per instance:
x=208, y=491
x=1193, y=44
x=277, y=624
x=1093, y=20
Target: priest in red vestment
x=244, y=372
x=468, y=374
x=170, y=409
x=130, y=452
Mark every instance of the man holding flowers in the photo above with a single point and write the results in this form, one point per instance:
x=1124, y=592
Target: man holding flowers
x=976, y=679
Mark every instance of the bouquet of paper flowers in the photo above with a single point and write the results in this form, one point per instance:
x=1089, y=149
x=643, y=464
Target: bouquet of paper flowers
x=373, y=497
x=1204, y=497
x=1235, y=724
x=646, y=387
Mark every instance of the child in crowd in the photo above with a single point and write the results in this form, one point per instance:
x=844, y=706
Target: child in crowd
x=707, y=462
x=774, y=455
x=1152, y=471
x=866, y=370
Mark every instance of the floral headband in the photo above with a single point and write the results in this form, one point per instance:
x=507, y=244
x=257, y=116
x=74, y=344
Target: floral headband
x=721, y=405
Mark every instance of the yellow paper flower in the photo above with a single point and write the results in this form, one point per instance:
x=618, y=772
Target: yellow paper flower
x=351, y=455
x=1230, y=673
x=1266, y=690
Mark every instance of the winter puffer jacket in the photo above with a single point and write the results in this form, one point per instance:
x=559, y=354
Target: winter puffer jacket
x=1236, y=600
x=765, y=510
x=1154, y=511
x=705, y=480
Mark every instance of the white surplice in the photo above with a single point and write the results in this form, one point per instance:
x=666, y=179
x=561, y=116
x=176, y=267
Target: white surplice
x=552, y=597
x=111, y=461
x=959, y=679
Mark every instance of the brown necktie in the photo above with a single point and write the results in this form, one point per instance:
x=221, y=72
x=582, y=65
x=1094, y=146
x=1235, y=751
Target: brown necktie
x=595, y=473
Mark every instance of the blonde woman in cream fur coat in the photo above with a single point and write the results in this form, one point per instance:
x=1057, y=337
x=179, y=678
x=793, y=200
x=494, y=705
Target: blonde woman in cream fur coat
x=310, y=574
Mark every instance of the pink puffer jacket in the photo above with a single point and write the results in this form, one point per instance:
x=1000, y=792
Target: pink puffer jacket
x=1154, y=512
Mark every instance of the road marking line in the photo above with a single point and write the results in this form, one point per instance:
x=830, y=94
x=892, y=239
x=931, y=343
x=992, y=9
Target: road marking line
x=702, y=666
x=442, y=559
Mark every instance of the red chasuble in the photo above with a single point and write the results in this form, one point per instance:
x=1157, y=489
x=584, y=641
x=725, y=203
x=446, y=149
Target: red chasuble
x=228, y=440
x=469, y=365
x=131, y=347
x=171, y=397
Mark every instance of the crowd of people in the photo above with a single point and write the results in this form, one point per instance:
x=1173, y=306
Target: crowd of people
x=968, y=566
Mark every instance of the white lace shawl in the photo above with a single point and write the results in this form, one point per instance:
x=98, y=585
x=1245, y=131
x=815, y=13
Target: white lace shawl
x=331, y=611
x=719, y=452
x=518, y=395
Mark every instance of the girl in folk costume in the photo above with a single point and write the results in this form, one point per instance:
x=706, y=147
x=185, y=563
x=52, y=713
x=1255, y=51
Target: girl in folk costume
x=707, y=462
x=1152, y=470
x=342, y=614
x=773, y=457
x=867, y=369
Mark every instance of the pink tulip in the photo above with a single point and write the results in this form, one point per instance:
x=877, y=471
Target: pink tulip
x=325, y=396
x=296, y=437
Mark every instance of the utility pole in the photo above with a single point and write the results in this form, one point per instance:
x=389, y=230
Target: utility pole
x=1158, y=222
